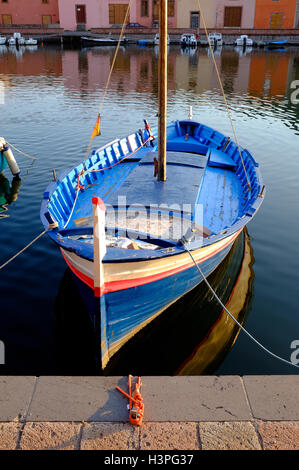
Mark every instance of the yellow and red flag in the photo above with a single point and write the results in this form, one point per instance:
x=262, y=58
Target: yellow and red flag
x=96, y=129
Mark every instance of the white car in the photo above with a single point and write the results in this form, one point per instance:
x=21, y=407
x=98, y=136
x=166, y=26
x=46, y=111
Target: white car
x=215, y=39
x=244, y=40
x=188, y=40
x=156, y=40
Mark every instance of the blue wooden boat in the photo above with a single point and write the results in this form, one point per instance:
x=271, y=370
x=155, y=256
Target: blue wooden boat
x=145, y=271
x=276, y=44
x=135, y=240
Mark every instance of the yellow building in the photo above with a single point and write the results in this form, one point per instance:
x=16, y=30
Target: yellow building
x=188, y=15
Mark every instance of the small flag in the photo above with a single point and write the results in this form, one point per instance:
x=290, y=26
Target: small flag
x=96, y=129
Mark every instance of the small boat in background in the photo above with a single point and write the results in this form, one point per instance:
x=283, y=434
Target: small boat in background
x=156, y=39
x=108, y=41
x=215, y=39
x=244, y=41
x=276, y=44
x=30, y=42
x=188, y=40
x=11, y=41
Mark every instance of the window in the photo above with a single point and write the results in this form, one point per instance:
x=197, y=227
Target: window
x=232, y=17
x=117, y=13
x=194, y=19
x=6, y=19
x=45, y=1
x=46, y=19
x=170, y=8
x=144, y=7
x=276, y=20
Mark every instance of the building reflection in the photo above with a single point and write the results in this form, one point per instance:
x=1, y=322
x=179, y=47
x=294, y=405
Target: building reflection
x=257, y=73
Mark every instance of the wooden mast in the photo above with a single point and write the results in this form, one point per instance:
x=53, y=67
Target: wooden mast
x=162, y=80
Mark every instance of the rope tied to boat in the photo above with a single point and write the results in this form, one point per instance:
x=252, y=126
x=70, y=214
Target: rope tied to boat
x=223, y=93
x=23, y=249
x=184, y=243
x=20, y=151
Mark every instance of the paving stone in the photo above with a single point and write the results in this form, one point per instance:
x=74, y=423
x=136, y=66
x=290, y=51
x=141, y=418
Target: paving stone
x=96, y=399
x=228, y=436
x=9, y=434
x=202, y=398
x=51, y=436
x=279, y=435
x=109, y=436
x=273, y=397
x=167, y=436
x=79, y=398
x=15, y=396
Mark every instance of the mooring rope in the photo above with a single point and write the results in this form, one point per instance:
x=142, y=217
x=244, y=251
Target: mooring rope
x=23, y=249
x=20, y=151
x=231, y=316
x=223, y=92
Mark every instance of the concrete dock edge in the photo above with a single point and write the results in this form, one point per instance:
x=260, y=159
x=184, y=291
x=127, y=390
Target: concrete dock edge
x=181, y=413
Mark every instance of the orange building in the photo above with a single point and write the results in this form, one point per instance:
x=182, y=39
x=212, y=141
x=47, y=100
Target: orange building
x=275, y=14
x=31, y=12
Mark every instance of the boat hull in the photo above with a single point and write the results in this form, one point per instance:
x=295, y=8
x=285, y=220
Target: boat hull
x=127, y=305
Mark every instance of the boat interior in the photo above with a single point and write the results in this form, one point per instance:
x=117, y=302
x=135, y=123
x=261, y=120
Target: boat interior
x=209, y=190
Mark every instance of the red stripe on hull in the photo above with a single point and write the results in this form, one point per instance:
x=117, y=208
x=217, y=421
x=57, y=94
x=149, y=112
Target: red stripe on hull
x=114, y=286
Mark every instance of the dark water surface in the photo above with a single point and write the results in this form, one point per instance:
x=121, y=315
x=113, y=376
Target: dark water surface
x=49, y=101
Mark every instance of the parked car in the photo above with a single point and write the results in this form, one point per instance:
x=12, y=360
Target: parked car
x=135, y=25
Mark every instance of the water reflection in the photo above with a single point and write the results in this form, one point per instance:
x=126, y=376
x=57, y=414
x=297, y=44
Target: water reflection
x=8, y=193
x=192, y=337
x=255, y=72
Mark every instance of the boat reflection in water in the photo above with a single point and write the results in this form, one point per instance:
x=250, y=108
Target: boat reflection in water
x=192, y=337
x=8, y=193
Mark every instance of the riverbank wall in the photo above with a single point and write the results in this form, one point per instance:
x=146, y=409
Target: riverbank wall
x=180, y=413
x=133, y=35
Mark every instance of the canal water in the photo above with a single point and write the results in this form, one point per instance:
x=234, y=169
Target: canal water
x=49, y=99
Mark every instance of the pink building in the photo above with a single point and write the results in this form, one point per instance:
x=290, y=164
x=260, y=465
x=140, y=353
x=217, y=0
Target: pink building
x=234, y=13
x=36, y=12
x=87, y=14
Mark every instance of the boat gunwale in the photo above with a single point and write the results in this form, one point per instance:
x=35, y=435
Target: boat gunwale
x=120, y=255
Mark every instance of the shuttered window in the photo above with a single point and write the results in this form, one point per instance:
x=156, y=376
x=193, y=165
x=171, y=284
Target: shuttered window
x=117, y=13
x=6, y=19
x=276, y=20
x=144, y=7
x=46, y=19
x=170, y=8
x=232, y=17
